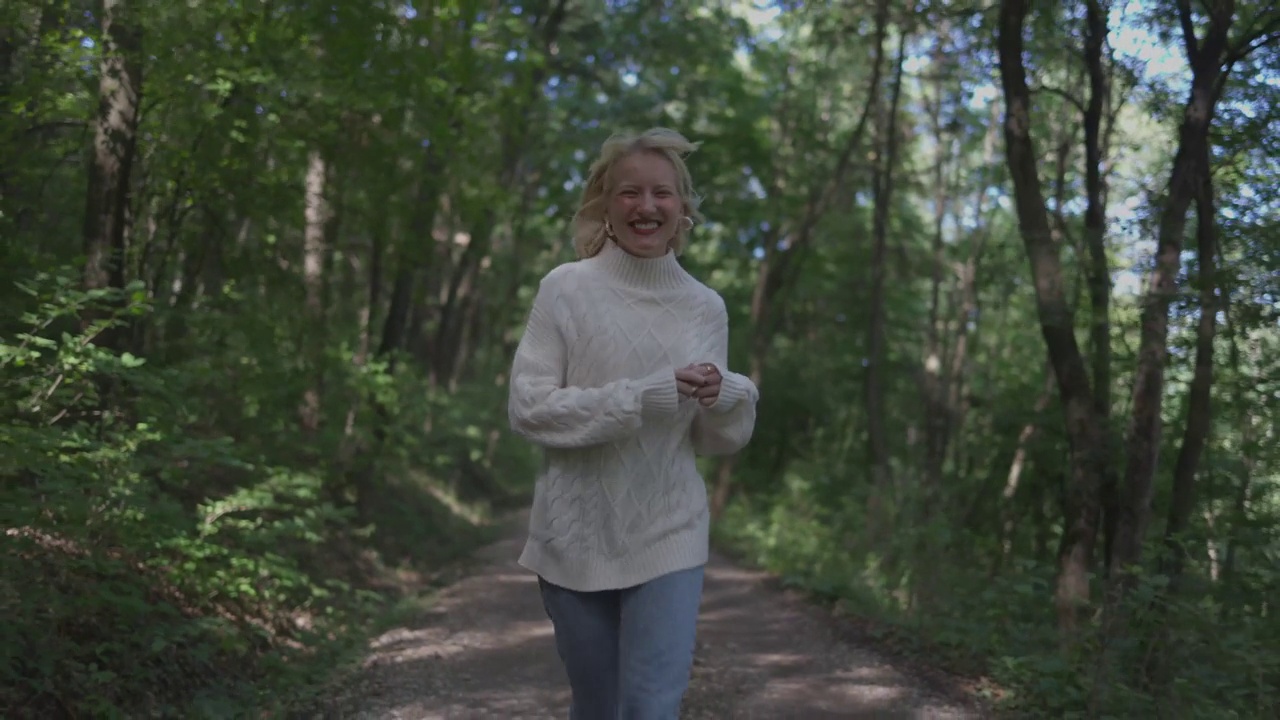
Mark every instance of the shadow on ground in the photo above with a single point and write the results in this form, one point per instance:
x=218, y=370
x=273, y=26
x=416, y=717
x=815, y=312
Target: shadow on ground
x=485, y=650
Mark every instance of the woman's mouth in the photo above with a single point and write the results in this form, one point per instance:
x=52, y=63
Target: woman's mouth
x=645, y=227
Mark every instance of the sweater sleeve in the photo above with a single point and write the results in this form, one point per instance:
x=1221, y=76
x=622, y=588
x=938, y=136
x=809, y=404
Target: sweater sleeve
x=543, y=410
x=726, y=426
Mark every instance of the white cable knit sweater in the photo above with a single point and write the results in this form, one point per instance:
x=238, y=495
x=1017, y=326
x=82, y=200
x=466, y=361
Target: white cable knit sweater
x=619, y=500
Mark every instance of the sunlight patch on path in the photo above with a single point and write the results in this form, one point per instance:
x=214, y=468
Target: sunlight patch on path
x=485, y=649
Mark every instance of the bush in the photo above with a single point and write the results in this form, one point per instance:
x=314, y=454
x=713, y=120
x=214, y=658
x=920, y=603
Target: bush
x=158, y=565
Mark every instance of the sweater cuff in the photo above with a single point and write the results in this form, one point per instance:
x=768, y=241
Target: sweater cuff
x=733, y=390
x=658, y=395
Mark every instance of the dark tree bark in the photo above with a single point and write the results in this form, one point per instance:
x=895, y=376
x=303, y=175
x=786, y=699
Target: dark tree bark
x=882, y=192
x=1075, y=554
x=463, y=281
x=1195, y=433
x=410, y=251
x=1200, y=397
x=1248, y=429
x=1095, y=224
x=114, y=147
x=1190, y=171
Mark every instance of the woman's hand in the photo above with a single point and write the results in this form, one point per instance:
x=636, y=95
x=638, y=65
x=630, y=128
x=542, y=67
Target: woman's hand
x=710, y=390
x=689, y=380
x=700, y=381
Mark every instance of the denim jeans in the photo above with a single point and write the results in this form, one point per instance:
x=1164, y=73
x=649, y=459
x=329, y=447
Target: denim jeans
x=628, y=653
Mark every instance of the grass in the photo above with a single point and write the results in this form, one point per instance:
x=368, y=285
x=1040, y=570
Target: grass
x=866, y=611
x=423, y=541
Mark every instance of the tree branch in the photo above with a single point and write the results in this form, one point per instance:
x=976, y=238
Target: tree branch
x=1075, y=101
x=1188, y=31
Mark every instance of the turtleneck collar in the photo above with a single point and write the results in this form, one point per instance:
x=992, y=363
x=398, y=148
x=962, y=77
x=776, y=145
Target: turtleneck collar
x=655, y=273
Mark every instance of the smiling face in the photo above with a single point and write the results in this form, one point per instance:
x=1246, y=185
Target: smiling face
x=645, y=207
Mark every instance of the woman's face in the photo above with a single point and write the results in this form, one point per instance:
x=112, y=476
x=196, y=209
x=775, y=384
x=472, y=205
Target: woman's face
x=645, y=208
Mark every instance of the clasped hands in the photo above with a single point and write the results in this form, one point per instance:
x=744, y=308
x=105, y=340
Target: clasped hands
x=700, y=381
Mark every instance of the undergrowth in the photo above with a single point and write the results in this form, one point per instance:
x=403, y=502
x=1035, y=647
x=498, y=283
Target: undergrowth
x=923, y=591
x=173, y=544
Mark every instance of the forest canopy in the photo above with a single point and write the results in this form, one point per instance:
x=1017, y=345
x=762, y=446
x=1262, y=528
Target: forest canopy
x=1006, y=274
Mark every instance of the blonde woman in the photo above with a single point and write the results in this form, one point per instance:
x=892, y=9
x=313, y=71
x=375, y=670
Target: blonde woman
x=621, y=377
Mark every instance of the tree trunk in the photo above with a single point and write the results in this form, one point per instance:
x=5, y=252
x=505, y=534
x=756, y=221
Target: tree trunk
x=1195, y=435
x=1095, y=225
x=772, y=272
x=1200, y=396
x=511, y=265
x=364, y=322
x=473, y=324
x=316, y=215
x=1248, y=452
x=457, y=296
x=1186, y=180
x=114, y=146
x=411, y=249
x=882, y=193
x=965, y=300
x=1008, y=525
x=22, y=47
x=1075, y=554
x=935, y=423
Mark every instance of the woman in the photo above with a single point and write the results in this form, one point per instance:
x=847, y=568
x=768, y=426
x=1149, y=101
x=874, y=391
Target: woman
x=621, y=377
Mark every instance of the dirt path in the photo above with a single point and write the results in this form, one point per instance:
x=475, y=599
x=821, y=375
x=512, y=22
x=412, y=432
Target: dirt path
x=485, y=650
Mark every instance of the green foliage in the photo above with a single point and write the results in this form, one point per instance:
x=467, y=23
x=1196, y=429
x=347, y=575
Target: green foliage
x=1200, y=658
x=153, y=565
x=183, y=538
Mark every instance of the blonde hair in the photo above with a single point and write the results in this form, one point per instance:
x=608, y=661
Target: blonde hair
x=588, y=222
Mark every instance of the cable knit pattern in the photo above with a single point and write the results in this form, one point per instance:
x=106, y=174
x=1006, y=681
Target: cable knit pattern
x=619, y=500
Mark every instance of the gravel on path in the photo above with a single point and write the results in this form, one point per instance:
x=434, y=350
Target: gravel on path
x=484, y=649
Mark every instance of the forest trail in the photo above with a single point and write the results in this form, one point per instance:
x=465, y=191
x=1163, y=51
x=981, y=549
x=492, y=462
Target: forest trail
x=484, y=649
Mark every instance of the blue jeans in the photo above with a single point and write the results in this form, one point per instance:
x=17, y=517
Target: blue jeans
x=628, y=653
